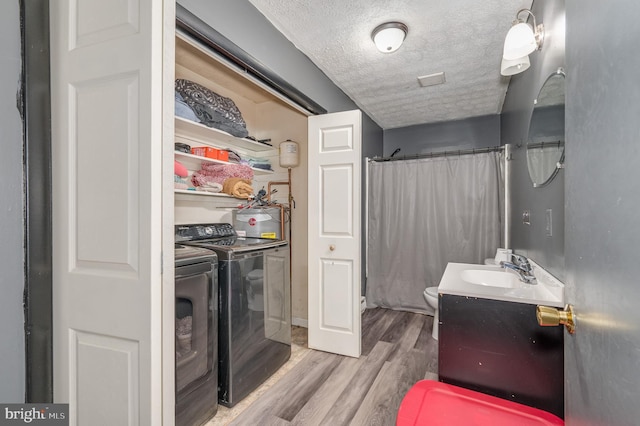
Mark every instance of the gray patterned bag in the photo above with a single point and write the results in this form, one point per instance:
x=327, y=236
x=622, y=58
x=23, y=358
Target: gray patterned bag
x=212, y=109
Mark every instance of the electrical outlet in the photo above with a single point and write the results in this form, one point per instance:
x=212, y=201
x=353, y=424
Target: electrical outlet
x=549, y=223
x=526, y=217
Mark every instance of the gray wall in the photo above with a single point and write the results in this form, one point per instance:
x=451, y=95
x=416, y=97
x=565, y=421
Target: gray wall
x=531, y=240
x=12, y=372
x=475, y=132
x=602, y=205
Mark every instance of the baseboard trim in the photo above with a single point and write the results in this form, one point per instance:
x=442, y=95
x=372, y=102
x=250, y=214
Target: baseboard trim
x=303, y=322
x=300, y=322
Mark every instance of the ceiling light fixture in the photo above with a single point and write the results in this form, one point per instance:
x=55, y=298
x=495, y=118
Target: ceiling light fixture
x=389, y=36
x=521, y=40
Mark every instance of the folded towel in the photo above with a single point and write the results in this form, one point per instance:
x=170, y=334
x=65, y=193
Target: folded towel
x=233, y=156
x=179, y=183
x=210, y=187
x=214, y=172
x=259, y=163
x=233, y=170
x=262, y=166
x=237, y=187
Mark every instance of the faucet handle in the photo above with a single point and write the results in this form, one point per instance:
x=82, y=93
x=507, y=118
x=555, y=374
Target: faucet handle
x=521, y=261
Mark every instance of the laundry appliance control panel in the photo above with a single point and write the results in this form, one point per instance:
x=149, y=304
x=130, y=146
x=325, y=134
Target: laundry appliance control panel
x=203, y=231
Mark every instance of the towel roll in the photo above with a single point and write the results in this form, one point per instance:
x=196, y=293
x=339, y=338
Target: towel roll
x=237, y=187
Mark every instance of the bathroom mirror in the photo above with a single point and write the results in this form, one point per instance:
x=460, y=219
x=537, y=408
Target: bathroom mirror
x=545, y=142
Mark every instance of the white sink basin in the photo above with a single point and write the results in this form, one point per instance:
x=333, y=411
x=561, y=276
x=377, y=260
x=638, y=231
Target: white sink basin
x=500, y=278
x=493, y=282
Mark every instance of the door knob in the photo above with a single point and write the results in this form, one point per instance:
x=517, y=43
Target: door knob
x=332, y=247
x=549, y=317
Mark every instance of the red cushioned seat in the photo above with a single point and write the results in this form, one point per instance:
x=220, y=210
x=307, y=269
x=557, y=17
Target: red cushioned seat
x=434, y=403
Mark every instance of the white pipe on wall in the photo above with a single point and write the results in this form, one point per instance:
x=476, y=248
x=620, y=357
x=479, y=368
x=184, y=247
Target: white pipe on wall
x=507, y=195
x=366, y=216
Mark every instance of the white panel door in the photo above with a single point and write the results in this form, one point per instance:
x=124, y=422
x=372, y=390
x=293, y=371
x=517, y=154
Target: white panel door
x=107, y=167
x=334, y=232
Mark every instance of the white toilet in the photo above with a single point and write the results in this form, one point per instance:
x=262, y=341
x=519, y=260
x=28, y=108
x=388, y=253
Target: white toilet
x=431, y=296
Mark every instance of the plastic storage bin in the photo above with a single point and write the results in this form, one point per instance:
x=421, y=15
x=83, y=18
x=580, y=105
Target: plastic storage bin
x=205, y=151
x=439, y=404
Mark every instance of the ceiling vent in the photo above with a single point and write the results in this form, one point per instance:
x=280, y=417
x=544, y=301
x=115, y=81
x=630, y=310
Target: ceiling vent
x=431, y=79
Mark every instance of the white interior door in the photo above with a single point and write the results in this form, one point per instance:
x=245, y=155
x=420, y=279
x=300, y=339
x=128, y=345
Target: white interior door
x=107, y=166
x=334, y=232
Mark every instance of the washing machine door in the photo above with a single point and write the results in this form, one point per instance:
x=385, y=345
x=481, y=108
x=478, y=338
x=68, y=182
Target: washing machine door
x=195, y=322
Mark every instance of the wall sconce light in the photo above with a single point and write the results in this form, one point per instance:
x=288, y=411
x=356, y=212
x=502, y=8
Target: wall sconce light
x=515, y=66
x=522, y=39
x=388, y=37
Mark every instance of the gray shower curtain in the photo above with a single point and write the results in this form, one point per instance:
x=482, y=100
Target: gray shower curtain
x=425, y=213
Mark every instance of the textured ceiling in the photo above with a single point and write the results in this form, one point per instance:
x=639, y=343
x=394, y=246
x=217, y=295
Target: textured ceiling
x=462, y=38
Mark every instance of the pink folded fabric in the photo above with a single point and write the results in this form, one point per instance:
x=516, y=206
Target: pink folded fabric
x=218, y=173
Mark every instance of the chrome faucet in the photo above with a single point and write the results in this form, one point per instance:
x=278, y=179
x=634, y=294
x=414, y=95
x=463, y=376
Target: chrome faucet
x=522, y=266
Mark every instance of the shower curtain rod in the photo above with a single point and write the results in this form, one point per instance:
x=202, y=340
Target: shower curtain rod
x=557, y=144
x=440, y=154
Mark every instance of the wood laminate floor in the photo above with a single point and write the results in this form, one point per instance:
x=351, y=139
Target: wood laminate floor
x=329, y=389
